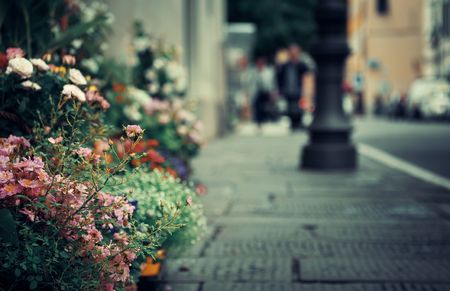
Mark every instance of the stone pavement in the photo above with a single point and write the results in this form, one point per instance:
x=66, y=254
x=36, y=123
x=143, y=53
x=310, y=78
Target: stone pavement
x=272, y=227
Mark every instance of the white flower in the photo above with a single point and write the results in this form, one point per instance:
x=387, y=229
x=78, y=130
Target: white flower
x=31, y=85
x=153, y=88
x=182, y=130
x=158, y=63
x=167, y=89
x=73, y=91
x=20, y=66
x=164, y=118
x=40, y=64
x=77, y=43
x=141, y=43
x=140, y=96
x=91, y=65
x=186, y=116
x=132, y=112
x=77, y=77
x=174, y=70
x=110, y=18
x=150, y=75
x=181, y=84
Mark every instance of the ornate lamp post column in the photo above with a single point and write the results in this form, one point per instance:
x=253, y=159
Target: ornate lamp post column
x=330, y=145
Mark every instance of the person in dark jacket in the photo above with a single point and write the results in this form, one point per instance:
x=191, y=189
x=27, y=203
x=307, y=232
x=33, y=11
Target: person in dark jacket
x=290, y=81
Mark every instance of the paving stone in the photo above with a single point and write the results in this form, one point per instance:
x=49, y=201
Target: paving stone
x=279, y=247
x=351, y=208
x=322, y=287
x=423, y=232
x=233, y=269
x=347, y=270
x=174, y=287
x=432, y=232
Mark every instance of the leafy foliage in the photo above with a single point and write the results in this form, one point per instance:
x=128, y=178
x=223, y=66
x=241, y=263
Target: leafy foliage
x=278, y=23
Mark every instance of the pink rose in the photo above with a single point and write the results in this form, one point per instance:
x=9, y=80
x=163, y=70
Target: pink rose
x=14, y=52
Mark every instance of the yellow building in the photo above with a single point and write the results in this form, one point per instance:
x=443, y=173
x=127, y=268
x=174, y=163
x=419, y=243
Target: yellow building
x=386, y=39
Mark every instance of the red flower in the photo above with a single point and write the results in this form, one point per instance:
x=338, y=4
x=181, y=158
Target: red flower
x=155, y=157
x=152, y=143
x=3, y=61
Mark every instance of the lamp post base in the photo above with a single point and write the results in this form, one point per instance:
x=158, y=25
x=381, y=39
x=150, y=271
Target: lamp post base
x=329, y=157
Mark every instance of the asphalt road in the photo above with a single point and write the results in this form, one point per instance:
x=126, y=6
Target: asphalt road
x=424, y=144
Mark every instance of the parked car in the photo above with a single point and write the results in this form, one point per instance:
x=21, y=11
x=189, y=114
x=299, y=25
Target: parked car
x=428, y=98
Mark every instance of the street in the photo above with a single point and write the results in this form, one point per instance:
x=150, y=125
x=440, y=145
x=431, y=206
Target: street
x=424, y=144
x=272, y=227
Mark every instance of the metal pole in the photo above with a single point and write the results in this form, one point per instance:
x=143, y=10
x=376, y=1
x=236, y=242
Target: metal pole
x=330, y=145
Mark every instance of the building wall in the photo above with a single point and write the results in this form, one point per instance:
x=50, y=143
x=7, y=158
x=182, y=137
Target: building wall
x=198, y=27
x=393, y=40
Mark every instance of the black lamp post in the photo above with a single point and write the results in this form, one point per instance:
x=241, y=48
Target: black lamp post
x=330, y=145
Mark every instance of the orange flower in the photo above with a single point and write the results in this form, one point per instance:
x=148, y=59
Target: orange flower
x=119, y=88
x=120, y=98
x=171, y=172
x=135, y=163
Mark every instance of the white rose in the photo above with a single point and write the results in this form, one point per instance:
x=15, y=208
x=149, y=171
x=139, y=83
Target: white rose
x=20, y=66
x=40, y=64
x=31, y=85
x=77, y=77
x=73, y=91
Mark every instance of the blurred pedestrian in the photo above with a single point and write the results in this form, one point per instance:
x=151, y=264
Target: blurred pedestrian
x=264, y=89
x=291, y=78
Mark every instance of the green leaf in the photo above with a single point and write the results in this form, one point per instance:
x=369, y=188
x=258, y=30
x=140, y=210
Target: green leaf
x=33, y=285
x=8, y=232
x=75, y=32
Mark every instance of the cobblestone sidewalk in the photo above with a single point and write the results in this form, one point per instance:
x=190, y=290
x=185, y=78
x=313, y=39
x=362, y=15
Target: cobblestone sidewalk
x=275, y=228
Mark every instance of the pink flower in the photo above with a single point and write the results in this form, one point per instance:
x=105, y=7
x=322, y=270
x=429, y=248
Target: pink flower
x=27, y=183
x=18, y=140
x=105, y=104
x=133, y=130
x=9, y=190
x=14, y=52
x=57, y=140
x=31, y=164
x=3, y=161
x=69, y=60
x=189, y=201
x=6, y=176
x=29, y=213
x=84, y=152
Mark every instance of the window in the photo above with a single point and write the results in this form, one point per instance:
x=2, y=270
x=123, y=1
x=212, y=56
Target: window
x=383, y=7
